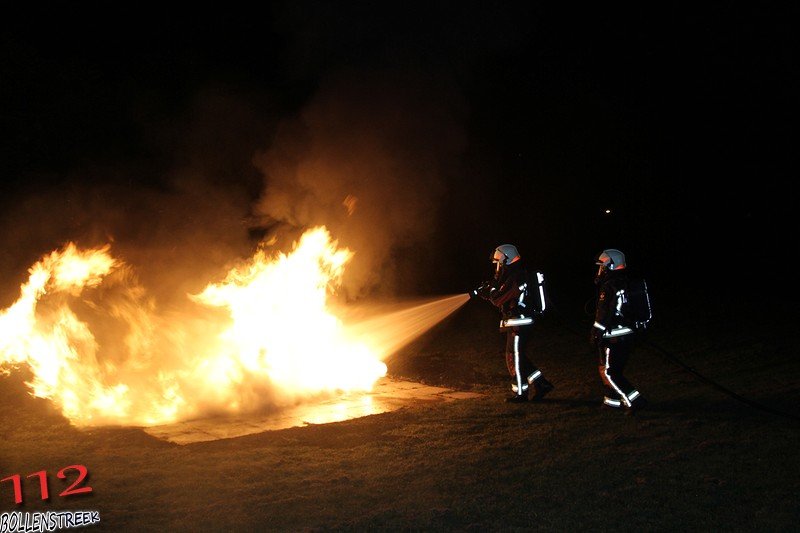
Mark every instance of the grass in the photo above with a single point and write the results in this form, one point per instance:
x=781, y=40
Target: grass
x=696, y=459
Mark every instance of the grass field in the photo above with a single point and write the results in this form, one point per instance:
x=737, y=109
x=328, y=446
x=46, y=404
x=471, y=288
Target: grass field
x=697, y=459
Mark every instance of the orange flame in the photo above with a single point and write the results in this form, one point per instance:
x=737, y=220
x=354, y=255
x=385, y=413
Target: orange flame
x=263, y=337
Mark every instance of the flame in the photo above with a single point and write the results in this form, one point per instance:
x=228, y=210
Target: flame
x=99, y=348
x=282, y=326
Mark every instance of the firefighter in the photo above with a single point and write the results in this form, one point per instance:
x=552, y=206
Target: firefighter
x=511, y=292
x=611, y=335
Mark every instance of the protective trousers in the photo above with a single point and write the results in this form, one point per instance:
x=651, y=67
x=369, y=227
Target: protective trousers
x=613, y=356
x=519, y=364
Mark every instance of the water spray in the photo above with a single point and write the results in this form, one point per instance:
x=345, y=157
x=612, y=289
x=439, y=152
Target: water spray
x=389, y=331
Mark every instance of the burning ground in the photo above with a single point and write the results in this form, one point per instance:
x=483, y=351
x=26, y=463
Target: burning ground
x=697, y=458
x=265, y=337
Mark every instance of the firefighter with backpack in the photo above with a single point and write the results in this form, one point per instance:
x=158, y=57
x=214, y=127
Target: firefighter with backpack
x=622, y=308
x=519, y=296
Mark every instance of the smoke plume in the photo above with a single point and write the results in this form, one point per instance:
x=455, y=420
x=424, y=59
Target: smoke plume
x=367, y=158
x=177, y=210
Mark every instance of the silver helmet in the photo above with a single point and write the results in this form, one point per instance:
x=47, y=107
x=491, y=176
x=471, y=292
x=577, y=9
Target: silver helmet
x=611, y=259
x=504, y=255
x=608, y=260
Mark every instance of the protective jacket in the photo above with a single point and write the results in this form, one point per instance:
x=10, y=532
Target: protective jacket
x=508, y=292
x=609, y=322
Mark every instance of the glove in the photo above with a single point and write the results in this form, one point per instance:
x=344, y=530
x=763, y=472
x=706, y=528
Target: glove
x=482, y=292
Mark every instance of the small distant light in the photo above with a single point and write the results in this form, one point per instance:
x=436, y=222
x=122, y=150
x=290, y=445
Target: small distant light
x=608, y=211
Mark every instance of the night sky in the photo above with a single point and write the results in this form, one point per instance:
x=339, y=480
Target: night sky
x=186, y=136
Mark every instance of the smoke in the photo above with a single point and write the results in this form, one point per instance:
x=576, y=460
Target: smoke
x=368, y=157
x=175, y=207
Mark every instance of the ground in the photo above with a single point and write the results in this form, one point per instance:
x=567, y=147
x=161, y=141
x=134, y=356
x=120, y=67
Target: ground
x=716, y=448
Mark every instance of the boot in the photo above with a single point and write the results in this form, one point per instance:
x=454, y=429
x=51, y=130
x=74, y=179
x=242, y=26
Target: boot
x=636, y=405
x=518, y=398
x=539, y=389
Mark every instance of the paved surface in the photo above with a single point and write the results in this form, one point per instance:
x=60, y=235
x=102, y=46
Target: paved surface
x=387, y=395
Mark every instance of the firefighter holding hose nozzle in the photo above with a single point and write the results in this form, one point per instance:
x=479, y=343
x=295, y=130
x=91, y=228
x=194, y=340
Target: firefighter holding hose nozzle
x=520, y=300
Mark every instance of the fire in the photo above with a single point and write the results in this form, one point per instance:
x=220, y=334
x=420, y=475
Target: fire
x=264, y=337
x=282, y=326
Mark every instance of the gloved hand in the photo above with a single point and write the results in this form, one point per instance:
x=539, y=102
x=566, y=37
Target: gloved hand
x=482, y=292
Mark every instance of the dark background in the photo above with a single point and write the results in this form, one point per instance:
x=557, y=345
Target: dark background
x=675, y=117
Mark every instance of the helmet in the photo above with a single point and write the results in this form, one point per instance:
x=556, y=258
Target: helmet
x=608, y=260
x=503, y=255
x=611, y=259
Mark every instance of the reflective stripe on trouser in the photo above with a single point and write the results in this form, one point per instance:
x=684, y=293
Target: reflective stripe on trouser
x=530, y=379
x=519, y=365
x=517, y=372
x=611, y=402
x=617, y=383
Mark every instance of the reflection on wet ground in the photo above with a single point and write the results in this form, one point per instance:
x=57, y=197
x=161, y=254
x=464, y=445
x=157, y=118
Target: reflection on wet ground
x=387, y=395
